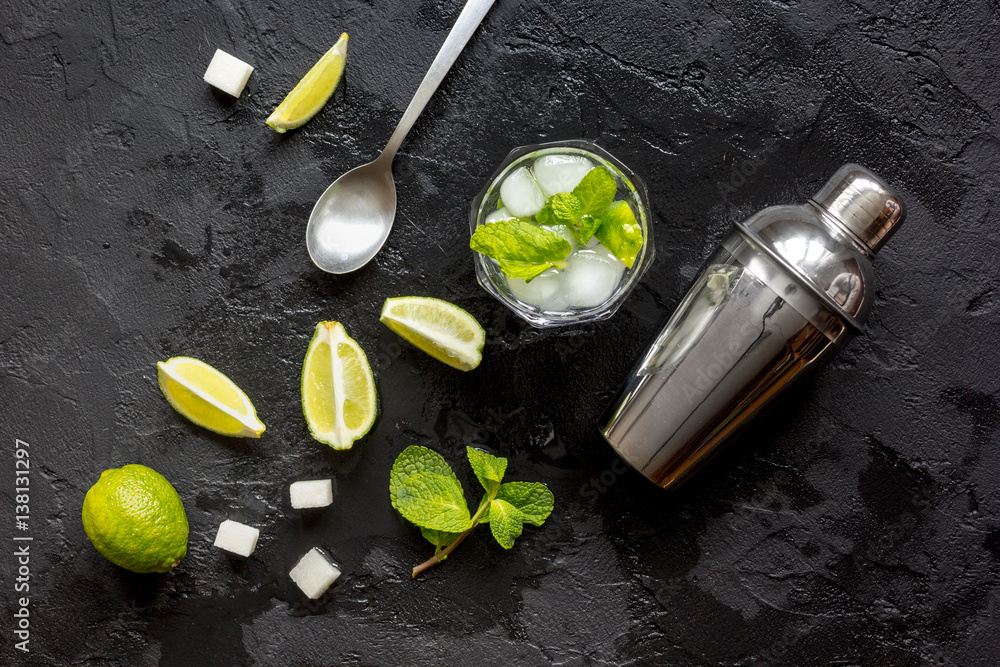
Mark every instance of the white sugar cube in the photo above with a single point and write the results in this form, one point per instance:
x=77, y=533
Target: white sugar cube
x=227, y=73
x=314, y=573
x=311, y=493
x=237, y=538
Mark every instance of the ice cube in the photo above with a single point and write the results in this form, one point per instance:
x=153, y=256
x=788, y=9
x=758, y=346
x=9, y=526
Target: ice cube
x=314, y=573
x=606, y=254
x=237, y=538
x=311, y=493
x=227, y=73
x=560, y=173
x=520, y=194
x=498, y=215
x=590, y=277
x=539, y=291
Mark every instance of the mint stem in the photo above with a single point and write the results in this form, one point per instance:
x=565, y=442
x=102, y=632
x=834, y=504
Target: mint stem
x=440, y=554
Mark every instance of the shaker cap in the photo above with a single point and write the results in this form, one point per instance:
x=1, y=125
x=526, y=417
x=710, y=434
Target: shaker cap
x=862, y=204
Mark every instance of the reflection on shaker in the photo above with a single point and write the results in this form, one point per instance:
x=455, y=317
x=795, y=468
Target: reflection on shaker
x=691, y=319
x=845, y=290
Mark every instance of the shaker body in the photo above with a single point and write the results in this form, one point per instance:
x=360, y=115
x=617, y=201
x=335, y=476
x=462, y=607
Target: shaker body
x=787, y=289
x=744, y=332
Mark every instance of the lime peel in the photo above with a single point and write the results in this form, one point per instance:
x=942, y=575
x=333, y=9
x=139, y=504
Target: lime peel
x=134, y=517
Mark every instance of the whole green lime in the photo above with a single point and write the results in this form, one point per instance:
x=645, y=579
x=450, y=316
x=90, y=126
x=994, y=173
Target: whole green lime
x=135, y=518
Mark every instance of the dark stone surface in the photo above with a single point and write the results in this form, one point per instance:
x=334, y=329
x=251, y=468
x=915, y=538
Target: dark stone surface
x=143, y=216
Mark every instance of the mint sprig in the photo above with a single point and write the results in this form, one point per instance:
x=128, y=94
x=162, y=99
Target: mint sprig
x=579, y=209
x=591, y=210
x=425, y=490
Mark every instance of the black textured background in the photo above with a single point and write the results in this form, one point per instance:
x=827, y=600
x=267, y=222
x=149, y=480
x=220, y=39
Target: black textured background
x=143, y=216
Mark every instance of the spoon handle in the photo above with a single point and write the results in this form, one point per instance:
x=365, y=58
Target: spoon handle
x=470, y=18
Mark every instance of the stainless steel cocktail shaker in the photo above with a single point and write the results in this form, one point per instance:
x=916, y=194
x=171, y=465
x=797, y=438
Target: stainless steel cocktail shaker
x=787, y=289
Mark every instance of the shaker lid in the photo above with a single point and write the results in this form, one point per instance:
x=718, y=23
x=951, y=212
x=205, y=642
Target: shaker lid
x=862, y=204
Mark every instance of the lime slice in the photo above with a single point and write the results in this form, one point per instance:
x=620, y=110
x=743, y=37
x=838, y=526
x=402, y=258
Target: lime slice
x=208, y=398
x=441, y=329
x=338, y=389
x=312, y=92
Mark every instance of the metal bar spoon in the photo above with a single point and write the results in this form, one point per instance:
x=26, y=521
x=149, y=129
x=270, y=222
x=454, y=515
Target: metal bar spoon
x=352, y=218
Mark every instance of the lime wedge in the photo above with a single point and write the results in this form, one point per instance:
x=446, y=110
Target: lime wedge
x=338, y=389
x=441, y=329
x=207, y=397
x=312, y=92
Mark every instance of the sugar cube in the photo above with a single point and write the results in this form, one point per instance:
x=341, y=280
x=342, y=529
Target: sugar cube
x=314, y=573
x=237, y=538
x=311, y=493
x=227, y=73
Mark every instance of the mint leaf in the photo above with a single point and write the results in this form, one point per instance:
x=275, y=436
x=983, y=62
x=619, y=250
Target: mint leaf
x=620, y=232
x=566, y=208
x=532, y=499
x=523, y=270
x=521, y=246
x=489, y=469
x=506, y=522
x=561, y=209
x=438, y=538
x=433, y=501
x=584, y=228
x=595, y=191
x=544, y=217
x=416, y=459
x=578, y=210
x=412, y=460
x=521, y=241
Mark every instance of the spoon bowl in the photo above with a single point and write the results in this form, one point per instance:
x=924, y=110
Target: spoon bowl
x=352, y=218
